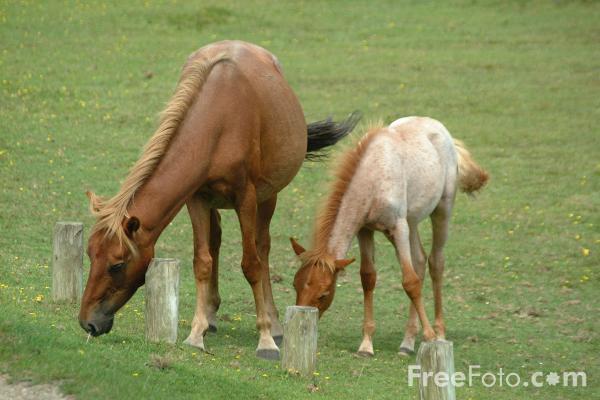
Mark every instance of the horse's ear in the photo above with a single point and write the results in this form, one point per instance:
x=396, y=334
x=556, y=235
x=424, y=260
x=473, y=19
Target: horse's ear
x=95, y=202
x=343, y=263
x=131, y=225
x=298, y=249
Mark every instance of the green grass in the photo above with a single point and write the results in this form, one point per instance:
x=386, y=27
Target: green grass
x=516, y=80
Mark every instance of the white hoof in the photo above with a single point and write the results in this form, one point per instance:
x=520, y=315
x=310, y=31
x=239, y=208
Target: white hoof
x=195, y=342
x=268, y=354
x=366, y=349
x=366, y=354
x=267, y=348
x=405, y=352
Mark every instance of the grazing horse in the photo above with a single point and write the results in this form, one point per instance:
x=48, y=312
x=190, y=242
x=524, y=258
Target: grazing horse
x=394, y=178
x=232, y=136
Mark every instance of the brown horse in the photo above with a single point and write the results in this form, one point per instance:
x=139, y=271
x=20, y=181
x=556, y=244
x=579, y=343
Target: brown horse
x=393, y=179
x=232, y=136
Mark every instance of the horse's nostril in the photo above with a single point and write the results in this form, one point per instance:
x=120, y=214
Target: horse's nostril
x=92, y=329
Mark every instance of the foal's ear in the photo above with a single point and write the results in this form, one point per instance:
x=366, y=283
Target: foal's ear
x=298, y=249
x=131, y=225
x=95, y=202
x=343, y=263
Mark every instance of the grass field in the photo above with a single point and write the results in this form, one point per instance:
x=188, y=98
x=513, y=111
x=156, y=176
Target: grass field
x=81, y=84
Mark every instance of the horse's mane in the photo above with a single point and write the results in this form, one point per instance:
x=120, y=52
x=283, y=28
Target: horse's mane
x=317, y=258
x=111, y=213
x=343, y=176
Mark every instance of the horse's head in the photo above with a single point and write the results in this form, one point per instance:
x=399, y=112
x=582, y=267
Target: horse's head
x=117, y=268
x=315, y=280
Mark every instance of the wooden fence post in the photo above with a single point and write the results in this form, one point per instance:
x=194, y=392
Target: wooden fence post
x=67, y=262
x=162, y=300
x=436, y=359
x=300, y=340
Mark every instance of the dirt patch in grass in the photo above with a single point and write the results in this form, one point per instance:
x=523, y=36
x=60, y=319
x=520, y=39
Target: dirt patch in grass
x=26, y=391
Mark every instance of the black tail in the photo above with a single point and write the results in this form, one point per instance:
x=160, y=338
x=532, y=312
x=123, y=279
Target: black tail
x=325, y=133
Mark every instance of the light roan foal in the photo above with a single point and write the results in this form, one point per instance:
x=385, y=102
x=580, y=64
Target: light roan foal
x=394, y=178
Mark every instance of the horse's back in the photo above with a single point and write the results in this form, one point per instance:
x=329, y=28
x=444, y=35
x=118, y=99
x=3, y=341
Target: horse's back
x=419, y=163
x=257, y=74
x=431, y=128
x=426, y=133
x=260, y=119
x=430, y=159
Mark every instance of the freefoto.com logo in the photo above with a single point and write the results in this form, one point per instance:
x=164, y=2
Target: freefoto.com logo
x=491, y=379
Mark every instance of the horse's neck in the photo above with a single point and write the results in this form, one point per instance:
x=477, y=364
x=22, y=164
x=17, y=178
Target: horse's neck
x=349, y=220
x=156, y=208
x=177, y=177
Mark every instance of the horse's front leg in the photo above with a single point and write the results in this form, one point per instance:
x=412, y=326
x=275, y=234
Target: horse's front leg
x=253, y=271
x=368, y=277
x=265, y=213
x=203, y=263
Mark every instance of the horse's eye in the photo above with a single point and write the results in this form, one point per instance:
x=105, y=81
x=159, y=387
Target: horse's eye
x=117, y=267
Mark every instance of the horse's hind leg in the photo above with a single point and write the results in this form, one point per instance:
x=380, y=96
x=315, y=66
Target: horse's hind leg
x=203, y=263
x=214, y=300
x=439, y=223
x=247, y=211
x=263, y=237
x=368, y=277
x=418, y=257
x=411, y=282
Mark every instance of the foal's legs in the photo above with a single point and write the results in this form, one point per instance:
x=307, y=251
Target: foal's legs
x=368, y=277
x=410, y=280
x=246, y=210
x=418, y=257
x=265, y=212
x=439, y=222
x=203, y=263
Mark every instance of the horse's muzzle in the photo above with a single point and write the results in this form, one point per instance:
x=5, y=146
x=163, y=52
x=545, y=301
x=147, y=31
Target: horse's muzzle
x=97, y=326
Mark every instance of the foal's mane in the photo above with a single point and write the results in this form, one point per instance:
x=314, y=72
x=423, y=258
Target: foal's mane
x=318, y=259
x=111, y=213
x=345, y=172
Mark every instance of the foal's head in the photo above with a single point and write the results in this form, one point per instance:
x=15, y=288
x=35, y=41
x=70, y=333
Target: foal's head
x=117, y=269
x=315, y=280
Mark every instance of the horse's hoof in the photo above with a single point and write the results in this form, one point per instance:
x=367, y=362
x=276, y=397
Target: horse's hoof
x=268, y=354
x=194, y=343
x=365, y=354
x=212, y=328
x=278, y=340
x=405, y=352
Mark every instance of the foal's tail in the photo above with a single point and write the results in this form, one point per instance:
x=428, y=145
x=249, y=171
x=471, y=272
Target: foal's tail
x=471, y=177
x=325, y=133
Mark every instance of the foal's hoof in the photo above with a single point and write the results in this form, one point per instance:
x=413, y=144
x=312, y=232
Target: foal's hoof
x=405, y=352
x=268, y=354
x=190, y=341
x=278, y=340
x=212, y=328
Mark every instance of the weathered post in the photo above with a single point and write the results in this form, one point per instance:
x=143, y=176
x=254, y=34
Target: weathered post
x=67, y=262
x=162, y=300
x=300, y=340
x=436, y=360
